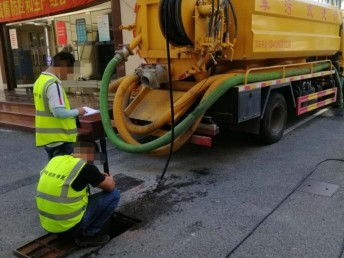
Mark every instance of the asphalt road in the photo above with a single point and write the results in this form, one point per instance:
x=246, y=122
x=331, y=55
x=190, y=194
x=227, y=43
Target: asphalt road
x=237, y=199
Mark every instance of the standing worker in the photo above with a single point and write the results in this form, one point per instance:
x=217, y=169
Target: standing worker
x=55, y=120
x=63, y=200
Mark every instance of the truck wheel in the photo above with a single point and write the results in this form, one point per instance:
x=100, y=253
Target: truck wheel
x=275, y=118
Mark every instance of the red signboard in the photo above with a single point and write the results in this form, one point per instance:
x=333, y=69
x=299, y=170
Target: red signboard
x=15, y=10
x=61, y=33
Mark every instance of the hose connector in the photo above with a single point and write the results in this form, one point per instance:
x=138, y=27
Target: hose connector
x=152, y=76
x=124, y=53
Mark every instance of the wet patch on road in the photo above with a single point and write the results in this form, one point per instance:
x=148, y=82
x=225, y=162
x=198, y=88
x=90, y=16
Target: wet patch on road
x=201, y=171
x=163, y=200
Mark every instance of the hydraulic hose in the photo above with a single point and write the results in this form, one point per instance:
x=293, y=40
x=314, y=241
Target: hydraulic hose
x=196, y=114
x=114, y=85
x=185, y=101
x=171, y=16
x=122, y=121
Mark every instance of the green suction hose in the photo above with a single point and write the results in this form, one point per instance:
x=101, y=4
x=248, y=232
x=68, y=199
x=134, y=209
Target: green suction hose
x=193, y=116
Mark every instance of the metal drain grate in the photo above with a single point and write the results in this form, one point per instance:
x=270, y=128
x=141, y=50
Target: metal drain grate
x=53, y=245
x=319, y=188
x=125, y=183
x=50, y=245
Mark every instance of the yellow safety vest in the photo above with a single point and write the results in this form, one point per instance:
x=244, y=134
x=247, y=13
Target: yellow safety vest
x=60, y=207
x=50, y=129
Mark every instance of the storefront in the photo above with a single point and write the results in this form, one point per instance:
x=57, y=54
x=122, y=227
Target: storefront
x=29, y=44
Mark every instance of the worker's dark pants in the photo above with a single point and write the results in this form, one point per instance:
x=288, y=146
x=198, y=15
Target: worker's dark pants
x=65, y=148
x=99, y=209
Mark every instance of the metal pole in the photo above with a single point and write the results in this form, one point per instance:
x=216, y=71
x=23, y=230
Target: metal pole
x=48, y=61
x=104, y=151
x=7, y=52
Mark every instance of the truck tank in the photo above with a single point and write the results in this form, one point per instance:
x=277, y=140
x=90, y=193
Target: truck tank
x=214, y=45
x=257, y=30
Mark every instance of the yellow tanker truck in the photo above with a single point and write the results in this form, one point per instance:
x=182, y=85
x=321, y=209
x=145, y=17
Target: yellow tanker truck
x=229, y=63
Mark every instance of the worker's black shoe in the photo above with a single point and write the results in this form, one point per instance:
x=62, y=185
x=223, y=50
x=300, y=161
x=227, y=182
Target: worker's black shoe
x=96, y=240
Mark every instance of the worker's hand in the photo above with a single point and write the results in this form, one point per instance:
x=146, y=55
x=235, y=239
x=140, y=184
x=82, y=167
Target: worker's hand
x=106, y=174
x=111, y=178
x=108, y=183
x=82, y=111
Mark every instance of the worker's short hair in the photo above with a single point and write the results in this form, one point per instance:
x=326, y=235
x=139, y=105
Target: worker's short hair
x=63, y=59
x=84, y=147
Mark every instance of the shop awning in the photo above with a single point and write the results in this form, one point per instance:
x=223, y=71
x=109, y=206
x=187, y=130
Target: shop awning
x=16, y=10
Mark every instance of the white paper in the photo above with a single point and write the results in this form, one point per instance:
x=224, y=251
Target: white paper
x=90, y=111
x=103, y=28
x=13, y=38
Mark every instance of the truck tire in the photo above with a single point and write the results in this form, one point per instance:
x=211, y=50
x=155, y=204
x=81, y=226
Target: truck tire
x=274, y=120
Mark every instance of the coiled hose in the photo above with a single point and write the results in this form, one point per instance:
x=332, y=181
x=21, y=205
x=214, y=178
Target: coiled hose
x=188, y=124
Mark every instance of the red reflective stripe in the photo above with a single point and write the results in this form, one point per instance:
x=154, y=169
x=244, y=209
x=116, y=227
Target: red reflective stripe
x=201, y=140
x=301, y=110
x=59, y=93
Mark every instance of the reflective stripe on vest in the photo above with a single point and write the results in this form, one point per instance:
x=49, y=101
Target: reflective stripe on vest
x=59, y=199
x=44, y=113
x=51, y=129
x=73, y=173
x=62, y=216
x=56, y=130
x=60, y=207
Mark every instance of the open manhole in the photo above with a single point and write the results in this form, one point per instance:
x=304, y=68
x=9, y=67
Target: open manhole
x=119, y=223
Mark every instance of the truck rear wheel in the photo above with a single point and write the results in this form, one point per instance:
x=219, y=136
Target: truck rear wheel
x=274, y=120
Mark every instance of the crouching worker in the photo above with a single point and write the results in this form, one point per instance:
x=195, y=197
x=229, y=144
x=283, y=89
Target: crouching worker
x=63, y=200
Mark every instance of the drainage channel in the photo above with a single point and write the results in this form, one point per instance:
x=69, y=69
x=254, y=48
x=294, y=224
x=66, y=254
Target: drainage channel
x=54, y=245
x=59, y=245
x=118, y=224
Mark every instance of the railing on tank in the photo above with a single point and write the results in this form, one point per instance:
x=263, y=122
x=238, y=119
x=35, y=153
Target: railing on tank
x=305, y=103
x=284, y=68
x=337, y=3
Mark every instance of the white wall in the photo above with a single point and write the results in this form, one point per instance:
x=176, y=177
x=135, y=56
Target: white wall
x=128, y=18
x=84, y=53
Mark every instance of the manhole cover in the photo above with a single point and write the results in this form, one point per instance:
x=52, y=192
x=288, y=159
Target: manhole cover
x=318, y=188
x=125, y=183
